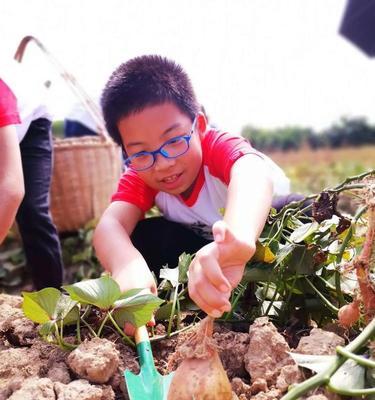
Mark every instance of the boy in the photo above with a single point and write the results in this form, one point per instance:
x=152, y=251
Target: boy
x=192, y=173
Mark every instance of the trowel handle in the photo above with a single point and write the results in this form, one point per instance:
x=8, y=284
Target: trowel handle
x=141, y=334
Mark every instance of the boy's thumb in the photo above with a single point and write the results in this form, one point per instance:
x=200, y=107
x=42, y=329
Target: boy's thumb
x=219, y=231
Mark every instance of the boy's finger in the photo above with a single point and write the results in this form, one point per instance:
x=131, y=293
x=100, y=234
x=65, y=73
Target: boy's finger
x=203, y=305
x=208, y=296
x=211, y=269
x=129, y=329
x=219, y=229
x=151, y=322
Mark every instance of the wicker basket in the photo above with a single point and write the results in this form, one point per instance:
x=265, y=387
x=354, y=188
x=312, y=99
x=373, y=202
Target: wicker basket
x=86, y=172
x=86, y=169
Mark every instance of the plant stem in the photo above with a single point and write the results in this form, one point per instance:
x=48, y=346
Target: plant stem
x=236, y=300
x=272, y=300
x=343, y=246
x=358, y=359
x=333, y=308
x=170, y=322
x=161, y=337
x=351, y=392
x=323, y=377
x=79, y=330
x=102, y=324
x=89, y=328
x=354, y=178
x=120, y=331
x=339, y=188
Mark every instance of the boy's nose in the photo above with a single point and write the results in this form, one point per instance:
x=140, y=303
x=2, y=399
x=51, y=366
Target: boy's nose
x=162, y=162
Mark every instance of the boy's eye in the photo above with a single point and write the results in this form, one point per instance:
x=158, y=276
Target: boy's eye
x=140, y=156
x=176, y=140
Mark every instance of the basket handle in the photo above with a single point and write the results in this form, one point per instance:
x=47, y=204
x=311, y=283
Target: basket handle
x=72, y=82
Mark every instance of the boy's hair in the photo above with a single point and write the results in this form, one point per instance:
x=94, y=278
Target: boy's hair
x=143, y=82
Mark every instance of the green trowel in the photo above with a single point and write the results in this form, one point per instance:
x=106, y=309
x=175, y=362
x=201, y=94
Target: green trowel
x=148, y=384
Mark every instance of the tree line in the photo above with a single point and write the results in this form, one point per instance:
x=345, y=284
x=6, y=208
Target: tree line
x=356, y=131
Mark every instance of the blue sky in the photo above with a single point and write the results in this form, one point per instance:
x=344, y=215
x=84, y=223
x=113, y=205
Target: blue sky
x=266, y=63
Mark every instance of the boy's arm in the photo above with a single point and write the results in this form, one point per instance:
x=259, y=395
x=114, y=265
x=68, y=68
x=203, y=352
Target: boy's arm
x=12, y=187
x=115, y=250
x=218, y=267
x=249, y=198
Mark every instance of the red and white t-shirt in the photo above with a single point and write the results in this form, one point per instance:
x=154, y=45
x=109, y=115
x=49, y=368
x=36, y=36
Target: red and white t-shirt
x=8, y=106
x=205, y=204
x=30, y=95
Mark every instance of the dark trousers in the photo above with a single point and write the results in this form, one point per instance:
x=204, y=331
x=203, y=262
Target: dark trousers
x=40, y=239
x=76, y=129
x=161, y=242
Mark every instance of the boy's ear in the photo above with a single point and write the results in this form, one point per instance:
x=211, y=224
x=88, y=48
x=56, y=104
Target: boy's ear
x=201, y=123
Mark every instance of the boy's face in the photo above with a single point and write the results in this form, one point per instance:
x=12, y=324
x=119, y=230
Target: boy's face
x=149, y=129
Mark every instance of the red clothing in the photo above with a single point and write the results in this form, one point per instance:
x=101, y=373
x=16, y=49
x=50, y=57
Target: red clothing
x=205, y=204
x=8, y=106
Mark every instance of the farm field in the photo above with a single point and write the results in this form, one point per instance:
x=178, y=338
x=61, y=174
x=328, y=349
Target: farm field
x=311, y=171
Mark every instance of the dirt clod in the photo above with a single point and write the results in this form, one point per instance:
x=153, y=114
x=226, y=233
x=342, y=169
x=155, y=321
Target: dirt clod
x=83, y=390
x=267, y=353
x=35, y=388
x=95, y=360
x=319, y=342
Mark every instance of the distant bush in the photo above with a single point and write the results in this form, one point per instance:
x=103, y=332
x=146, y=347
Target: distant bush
x=58, y=129
x=347, y=132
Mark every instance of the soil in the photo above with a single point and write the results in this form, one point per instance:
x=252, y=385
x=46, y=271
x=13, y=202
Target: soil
x=257, y=362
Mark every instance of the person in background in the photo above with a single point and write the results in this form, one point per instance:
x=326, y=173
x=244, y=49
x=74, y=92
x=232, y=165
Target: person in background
x=79, y=122
x=212, y=187
x=25, y=174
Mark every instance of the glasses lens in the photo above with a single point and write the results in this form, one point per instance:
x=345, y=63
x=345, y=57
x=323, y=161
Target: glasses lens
x=175, y=147
x=141, y=161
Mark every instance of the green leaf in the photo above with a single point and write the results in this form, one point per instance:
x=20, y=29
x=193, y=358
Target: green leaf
x=137, y=310
x=130, y=293
x=164, y=312
x=179, y=274
x=46, y=328
x=316, y=363
x=183, y=267
x=302, y=232
x=284, y=252
x=259, y=272
x=101, y=292
x=40, y=306
x=66, y=310
x=348, y=377
x=301, y=261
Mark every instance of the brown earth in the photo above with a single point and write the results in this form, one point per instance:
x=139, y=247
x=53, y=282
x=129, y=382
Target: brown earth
x=257, y=362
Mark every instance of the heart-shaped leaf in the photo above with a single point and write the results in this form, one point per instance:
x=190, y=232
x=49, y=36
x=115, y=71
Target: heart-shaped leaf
x=40, y=306
x=66, y=310
x=137, y=310
x=316, y=363
x=101, y=292
x=349, y=376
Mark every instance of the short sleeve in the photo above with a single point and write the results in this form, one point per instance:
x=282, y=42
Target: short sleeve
x=133, y=190
x=221, y=150
x=8, y=106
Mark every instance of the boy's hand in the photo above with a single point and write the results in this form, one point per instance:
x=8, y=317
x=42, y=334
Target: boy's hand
x=217, y=269
x=136, y=279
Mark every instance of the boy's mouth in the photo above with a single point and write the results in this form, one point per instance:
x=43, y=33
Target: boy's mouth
x=171, y=178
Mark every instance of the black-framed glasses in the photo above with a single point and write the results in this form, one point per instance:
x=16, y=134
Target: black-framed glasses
x=172, y=148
